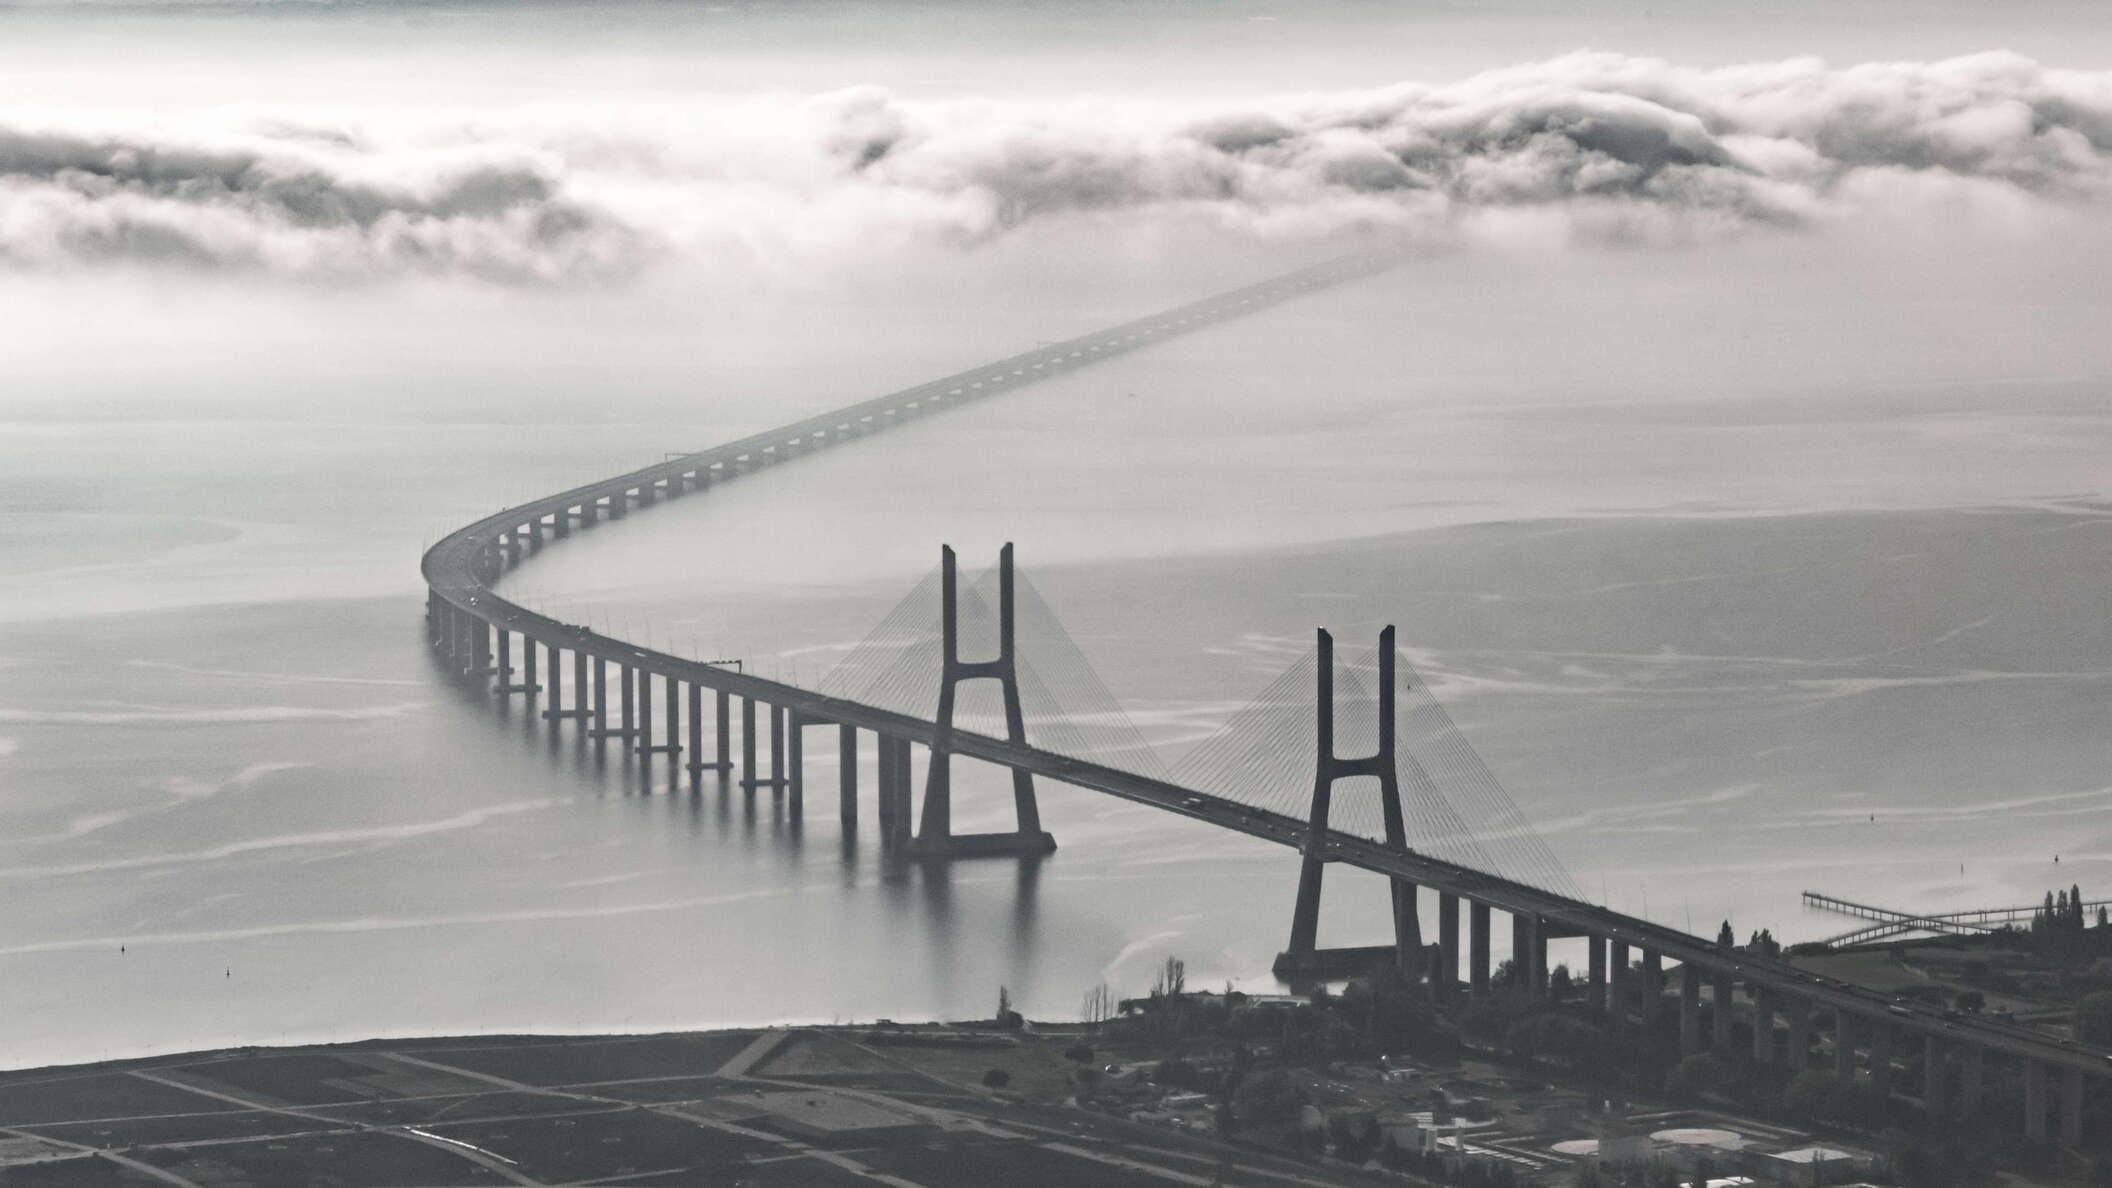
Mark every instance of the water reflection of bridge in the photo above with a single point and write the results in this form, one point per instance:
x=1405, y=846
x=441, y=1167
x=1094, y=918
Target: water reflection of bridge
x=1273, y=774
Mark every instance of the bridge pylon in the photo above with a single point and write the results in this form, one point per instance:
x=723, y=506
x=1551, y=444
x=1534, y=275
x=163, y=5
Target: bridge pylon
x=1304, y=958
x=935, y=837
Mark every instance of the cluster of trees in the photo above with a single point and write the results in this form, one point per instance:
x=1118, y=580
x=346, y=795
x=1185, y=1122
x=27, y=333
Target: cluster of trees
x=2065, y=913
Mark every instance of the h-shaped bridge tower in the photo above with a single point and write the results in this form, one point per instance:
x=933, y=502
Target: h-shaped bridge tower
x=935, y=836
x=1304, y=958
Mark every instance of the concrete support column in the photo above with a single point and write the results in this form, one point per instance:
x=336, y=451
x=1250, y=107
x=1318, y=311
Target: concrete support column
x=530, y=684
x=1763, y=1025
x=1653, y=989
x=1689, y=1008
x=1447, y=979
x=1881, y=1032
x=722, y=725
x=629, y=704
x=748, y=772
x=1843, y=1044
x=1798, y=1012
x=796, y=760
x=1935, y=1091
x=1525, y=946
x=1722, y=996
x=1407, y=930
x=777, y=746
x=1617, y=993
x=644, y=739
x=600, y=696
x=672, y=688
x=556, y=703
x=579, y=688
x=2071, y=1107
x=1478, y=947
x=696, y=732
x=1972, y=1073
x=504, y=675
x=1595, y=964
x=847, y=774
x=2034, y=1100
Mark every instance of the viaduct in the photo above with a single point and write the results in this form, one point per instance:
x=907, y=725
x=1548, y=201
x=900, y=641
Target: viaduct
x=509, y=650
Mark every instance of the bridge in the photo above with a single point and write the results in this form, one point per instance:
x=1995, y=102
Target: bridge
x=1891, y=923
x=473, y=630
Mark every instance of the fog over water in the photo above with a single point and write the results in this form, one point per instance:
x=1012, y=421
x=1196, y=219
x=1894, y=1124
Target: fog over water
x=1730, y=452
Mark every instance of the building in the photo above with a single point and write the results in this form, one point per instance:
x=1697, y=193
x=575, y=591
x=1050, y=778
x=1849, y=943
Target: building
x=1806, y=1166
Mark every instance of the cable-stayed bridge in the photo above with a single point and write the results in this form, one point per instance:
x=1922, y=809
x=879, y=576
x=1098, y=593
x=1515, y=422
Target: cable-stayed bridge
x=1351, y=764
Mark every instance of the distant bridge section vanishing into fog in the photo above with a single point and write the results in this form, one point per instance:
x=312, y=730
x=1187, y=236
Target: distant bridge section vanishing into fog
x=1272, y=773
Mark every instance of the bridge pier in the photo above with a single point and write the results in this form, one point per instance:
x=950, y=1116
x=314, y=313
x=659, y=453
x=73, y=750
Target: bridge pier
x=2072, y=1107
x=847, y=775
x=1446, y=981
x=2034, y=1100
x=1528, y=954
x=1881, y=1057
x=1617, y=985
x=1478, y=948
x=643, y=740
x=935, y=837
x=1798, y=1012
x=1721, y=996
x=1653, y=991
x=503, y=672
x=1763, y=1024
x=1689, y=1008
x=796, y=762
x=1304, y=958
x=1972, y=1072
x=748, y=772
x=777, y=748
x=555, y=709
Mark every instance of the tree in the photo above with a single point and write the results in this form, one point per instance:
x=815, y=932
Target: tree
x=1082, y=1053
x=1725, y=937
x=1172, y=979
x=1008, y=1018
x=1971, y=1000
x=2093, y=1018
x=1268, y=1105
x=1099, y=1005
x=997, y=1078
x=1561, y=983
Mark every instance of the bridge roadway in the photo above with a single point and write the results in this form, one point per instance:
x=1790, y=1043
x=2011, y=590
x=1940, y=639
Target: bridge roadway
x=459, y=569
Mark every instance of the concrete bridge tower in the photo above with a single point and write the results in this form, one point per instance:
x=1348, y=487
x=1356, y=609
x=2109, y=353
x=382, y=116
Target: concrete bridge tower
x=935, y=837
x=1304, y=958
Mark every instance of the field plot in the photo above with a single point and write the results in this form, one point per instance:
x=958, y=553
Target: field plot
x=59, y=1098
x=597, y=1146
x=374, y=1159
x=568, y=1062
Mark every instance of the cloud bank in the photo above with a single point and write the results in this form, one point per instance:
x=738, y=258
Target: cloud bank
x=1589, y=146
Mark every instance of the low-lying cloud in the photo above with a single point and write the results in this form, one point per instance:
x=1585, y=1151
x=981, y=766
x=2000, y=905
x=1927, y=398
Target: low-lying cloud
x=1590, y=146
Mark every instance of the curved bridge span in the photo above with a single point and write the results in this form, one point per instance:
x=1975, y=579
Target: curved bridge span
x=473, y=629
